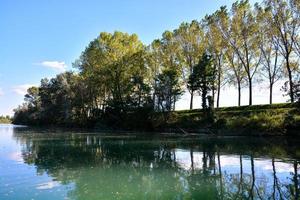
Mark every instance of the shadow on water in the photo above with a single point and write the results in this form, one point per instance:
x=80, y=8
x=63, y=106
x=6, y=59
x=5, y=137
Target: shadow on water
x=116, y=167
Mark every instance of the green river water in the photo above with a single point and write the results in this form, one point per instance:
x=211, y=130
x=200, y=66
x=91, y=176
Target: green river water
x=54, y=165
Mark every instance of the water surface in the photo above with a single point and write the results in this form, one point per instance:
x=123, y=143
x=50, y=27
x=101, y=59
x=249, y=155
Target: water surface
x=43, y=164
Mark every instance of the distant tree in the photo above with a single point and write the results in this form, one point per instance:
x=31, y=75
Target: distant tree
x=285, y=23
x=5, y=119
x=115, y=59
x=271, y=66
x=32, y=97
x=296, y=89
x=57, y=96
x=154, y=62
x=140, y=93
x=33, y=103
x=203, y=77
x=170, y=59
x=91, y=69
x=191, y=40
x=236, y=74
x=217, y=48
x=168, y=89
x=241, y=36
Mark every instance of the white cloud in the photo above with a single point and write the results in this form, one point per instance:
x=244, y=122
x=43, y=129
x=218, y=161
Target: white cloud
x=56, y=65
x=48, y=185
x=280, y=167
x=22, y=89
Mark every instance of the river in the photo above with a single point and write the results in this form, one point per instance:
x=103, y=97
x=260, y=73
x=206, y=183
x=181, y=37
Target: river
x=55, y=164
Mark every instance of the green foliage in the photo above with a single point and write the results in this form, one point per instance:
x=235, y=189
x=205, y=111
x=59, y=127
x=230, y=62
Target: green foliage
x=167, y=89
x=190, y=38
x=54, y=102
x=113, y=82
x=296, y=90
x=202, y=78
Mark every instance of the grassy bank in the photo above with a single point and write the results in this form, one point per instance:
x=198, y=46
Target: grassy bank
x=271, y=120
x=277, y=119
x=5, y=120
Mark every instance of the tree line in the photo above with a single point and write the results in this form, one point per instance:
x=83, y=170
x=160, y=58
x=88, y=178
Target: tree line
x=5, y=119
x=117, y=75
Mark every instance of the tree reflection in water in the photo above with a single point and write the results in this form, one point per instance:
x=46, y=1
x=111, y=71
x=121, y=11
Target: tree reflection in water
x=115, y=167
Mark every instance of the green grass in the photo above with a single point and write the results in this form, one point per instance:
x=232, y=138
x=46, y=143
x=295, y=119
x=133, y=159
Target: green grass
x=276, y=119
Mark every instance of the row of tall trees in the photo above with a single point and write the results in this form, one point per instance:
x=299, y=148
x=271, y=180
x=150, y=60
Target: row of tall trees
x=119, y=74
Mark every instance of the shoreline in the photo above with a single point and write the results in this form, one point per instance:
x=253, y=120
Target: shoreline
x=257, y=120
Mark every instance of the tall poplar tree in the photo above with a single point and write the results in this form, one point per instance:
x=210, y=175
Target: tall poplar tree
x=271, y=63
x=216, y=47
x=244, y=40
x=191, y=40
x=285, y=26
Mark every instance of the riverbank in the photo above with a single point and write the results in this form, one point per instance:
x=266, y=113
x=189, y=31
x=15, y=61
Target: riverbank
x=276, y=119
x=257, y=120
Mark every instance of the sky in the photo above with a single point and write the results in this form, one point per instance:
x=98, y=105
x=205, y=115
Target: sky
x=42, y=38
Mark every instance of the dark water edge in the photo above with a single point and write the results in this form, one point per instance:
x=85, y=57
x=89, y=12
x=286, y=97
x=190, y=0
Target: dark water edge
x=178, y=132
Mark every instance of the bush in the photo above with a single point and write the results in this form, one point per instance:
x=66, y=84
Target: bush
x=220, y=123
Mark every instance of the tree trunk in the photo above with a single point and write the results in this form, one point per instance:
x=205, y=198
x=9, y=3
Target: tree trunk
x=250, y=91
x=192, y=100
x=287, y=59
x=251, y=192
x=204, y=94
x=204, y=159
x=275, y=182
x=271, y=93
x=239, y=94
x=174, y=103
x=192, y=159
x=241, y=170
x=153, y=99
x=140, y=97
x=290, y=80
x=213, y=94
x=218, y=96
x=219, y=86
x=295, y=179
x=220, y=174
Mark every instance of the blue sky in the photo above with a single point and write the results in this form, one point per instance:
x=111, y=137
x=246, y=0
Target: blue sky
x=42, y=38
